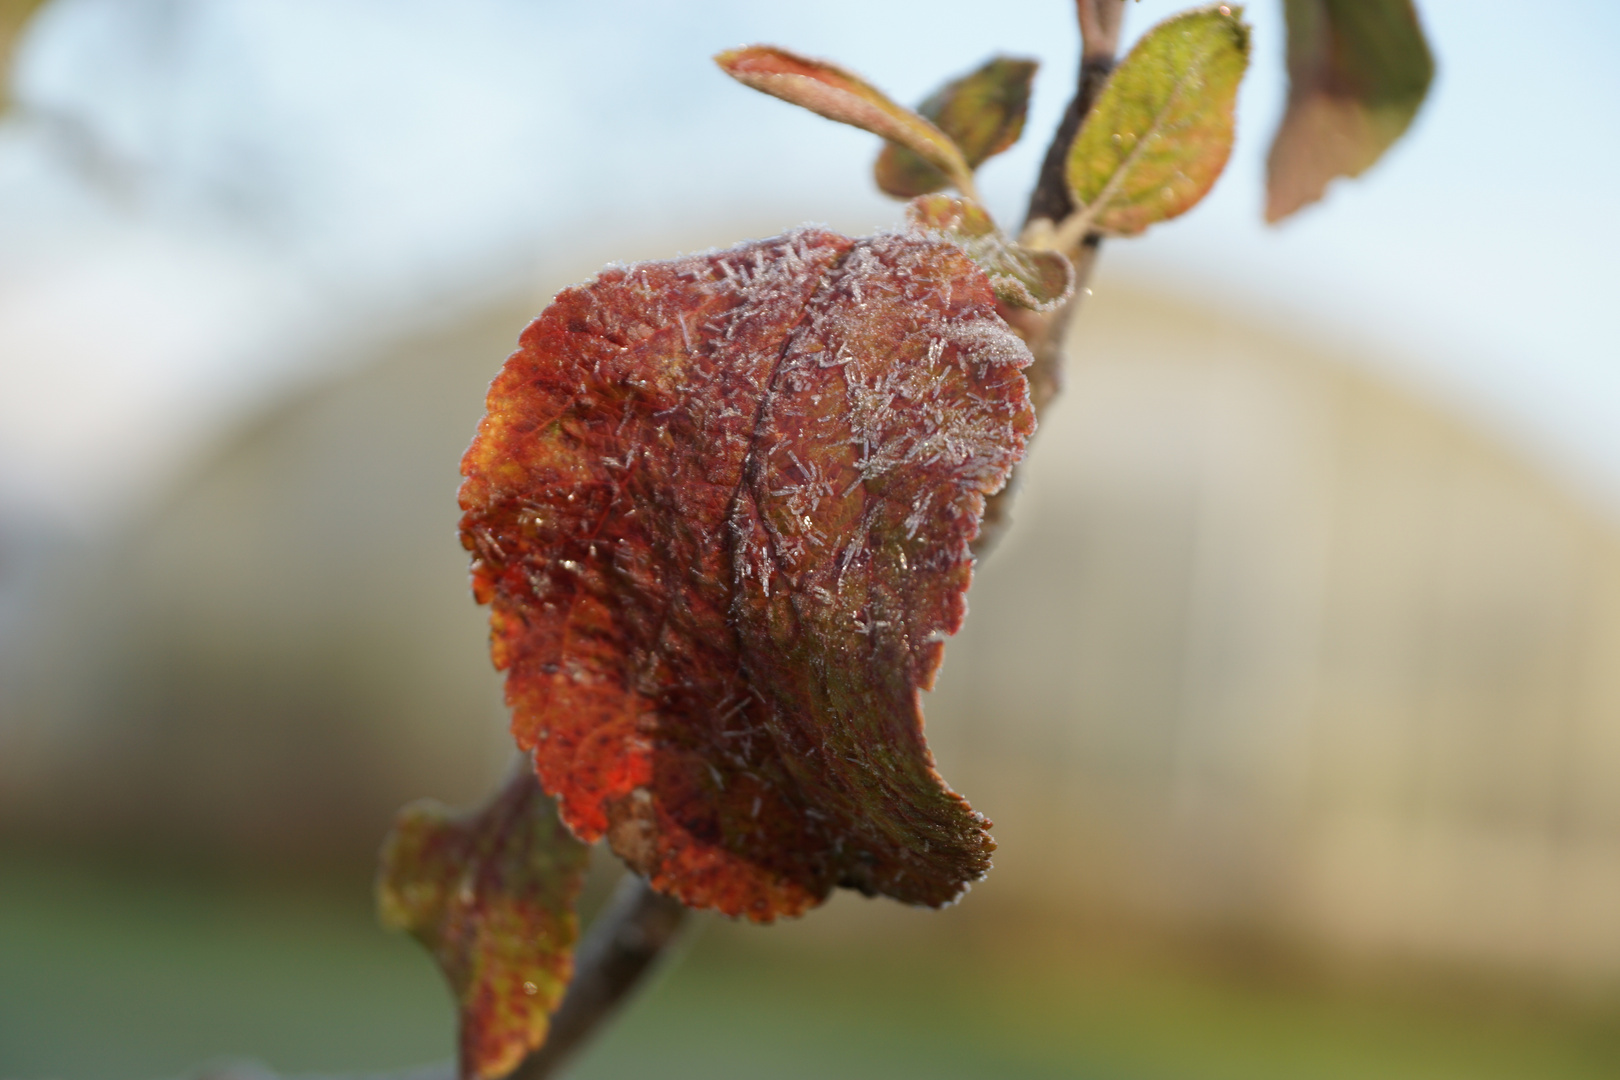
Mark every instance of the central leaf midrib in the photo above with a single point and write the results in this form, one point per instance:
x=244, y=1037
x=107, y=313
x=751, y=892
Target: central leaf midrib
x=1095, y=208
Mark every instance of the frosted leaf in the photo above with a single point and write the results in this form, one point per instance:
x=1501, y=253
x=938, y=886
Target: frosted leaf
x=1023, y=277
x=720, y=508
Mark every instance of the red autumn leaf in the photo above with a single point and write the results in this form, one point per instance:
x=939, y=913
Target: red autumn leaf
x=491, y=894
x=720, y=508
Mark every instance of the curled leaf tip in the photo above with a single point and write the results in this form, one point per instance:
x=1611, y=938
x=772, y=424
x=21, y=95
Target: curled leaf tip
x=721, y=508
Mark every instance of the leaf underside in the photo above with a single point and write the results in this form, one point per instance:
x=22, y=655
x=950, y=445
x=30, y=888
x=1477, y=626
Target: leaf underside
x=1161, y=130
x=720, y=508
x=491, y=894
x=983, y=113
x=1358, y=70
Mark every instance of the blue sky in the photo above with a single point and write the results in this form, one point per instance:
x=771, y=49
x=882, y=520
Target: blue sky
x=266, y=177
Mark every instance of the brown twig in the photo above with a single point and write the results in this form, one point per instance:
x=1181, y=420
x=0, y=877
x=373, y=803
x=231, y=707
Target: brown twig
x=621, y=946
x=1099, y=36
x=1049, y=205
x=639, y=924
x=630, y=935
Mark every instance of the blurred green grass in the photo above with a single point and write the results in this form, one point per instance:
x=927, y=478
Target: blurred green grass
x=123, y=972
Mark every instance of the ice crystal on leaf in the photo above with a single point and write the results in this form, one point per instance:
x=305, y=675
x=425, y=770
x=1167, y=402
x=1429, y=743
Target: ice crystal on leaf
x=1021, y=277
x=720, y=508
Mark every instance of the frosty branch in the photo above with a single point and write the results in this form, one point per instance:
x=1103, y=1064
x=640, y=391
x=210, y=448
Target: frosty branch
x=725, y=508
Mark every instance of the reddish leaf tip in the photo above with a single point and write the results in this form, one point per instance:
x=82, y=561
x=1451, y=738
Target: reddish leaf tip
x=838, y=94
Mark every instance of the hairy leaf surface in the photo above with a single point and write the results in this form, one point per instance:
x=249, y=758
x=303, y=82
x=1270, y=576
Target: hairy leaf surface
x=830, y=91
x=491, y=894
x=720, y=508
x=1357, y=72
x=983, y=113
x=1161, y=130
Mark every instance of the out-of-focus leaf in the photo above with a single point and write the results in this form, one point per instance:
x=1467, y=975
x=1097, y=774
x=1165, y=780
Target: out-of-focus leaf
x=982, y=112
x=720, y=508
x=1020, y=276
x=491, y=894
x=14, y=16
x=1357, y=72
x=1161, y=130
x=841, y=95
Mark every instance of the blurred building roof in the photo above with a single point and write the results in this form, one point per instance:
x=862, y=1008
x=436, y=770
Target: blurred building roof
x=1271, y=645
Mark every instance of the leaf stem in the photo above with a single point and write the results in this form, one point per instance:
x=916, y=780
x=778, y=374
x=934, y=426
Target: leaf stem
x=964, y=184
x=1051, y=207
x=1099, y=35
x=639, y=924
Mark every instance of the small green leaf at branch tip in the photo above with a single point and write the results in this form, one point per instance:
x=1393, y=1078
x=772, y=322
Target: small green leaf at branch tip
x=1161, y=130
x=830, y=91
x=1358, y=71
x=491, y=895
x=1020, y=276
x=983, y=112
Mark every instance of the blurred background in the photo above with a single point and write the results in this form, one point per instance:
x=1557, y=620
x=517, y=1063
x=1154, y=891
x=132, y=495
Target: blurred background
x=1294, y=691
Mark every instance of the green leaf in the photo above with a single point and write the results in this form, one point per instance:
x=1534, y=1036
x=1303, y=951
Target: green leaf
x=983, y=112
x=841, y=95
x=1161, y=130
x=491, y=894
x=1020, y=276
x=1357, y=72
